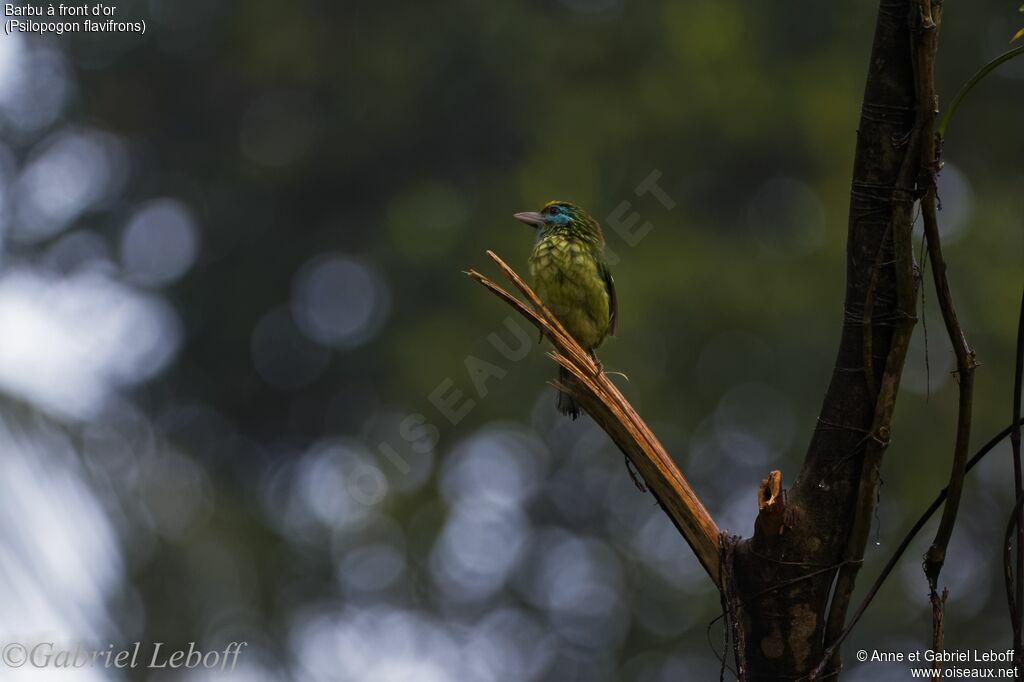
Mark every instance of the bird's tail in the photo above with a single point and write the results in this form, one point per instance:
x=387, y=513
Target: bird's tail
x=565, y=403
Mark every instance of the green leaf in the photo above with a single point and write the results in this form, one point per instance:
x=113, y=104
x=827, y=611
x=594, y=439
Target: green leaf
x=1017, y=35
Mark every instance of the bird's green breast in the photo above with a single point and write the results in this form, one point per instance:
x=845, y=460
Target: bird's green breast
x=568, y=278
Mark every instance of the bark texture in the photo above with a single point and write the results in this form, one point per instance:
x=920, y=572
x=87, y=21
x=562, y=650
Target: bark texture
x=784, y=579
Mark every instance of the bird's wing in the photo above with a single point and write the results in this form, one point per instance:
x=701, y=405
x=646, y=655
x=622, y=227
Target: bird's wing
x=613, y=301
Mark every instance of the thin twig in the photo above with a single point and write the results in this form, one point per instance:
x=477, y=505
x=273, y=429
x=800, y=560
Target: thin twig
x=924, y=321
x=938, y=632
x=1011, y=594
x=902, y=548
x=966, y=362
x=925, y=42
x=1017, y=612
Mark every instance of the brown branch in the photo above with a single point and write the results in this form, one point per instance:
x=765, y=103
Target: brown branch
x=1015, y=592
x=905, y=543
x=885, y=404
x=730, y=604
x=938, y=631
x=929, y=17
x=924, y=41
x=1018, y=379
x=1011, y=594
x=609, y=408
x=881, y=428
x=788, y=631
x=966, y=363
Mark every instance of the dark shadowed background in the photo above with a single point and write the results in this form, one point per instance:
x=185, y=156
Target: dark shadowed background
x=247, y=394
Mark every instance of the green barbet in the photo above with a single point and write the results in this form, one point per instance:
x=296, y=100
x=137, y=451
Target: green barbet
x=571, y=277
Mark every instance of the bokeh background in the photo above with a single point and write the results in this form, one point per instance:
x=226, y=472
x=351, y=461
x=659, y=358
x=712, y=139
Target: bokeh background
x=234, y=321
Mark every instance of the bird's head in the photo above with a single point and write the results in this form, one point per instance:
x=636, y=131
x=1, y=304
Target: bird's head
x=562, y=216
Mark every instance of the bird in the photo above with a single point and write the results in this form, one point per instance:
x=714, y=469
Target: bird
x=571, y=277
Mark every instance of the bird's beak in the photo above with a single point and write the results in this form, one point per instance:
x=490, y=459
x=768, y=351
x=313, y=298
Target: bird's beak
x=530, y=218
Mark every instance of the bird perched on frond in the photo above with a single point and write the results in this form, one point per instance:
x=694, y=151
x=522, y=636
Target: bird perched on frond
x=571, y=277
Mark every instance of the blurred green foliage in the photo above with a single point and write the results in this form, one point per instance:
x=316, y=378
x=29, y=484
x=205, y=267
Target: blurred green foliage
x=404, y=135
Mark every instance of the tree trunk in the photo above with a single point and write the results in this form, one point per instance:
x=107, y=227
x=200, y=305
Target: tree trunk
x=804, y=544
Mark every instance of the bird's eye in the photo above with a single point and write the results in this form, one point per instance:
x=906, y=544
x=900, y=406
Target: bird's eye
x=555, y=210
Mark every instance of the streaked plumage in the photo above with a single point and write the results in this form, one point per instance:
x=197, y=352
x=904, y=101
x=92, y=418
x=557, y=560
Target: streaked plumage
x=571, y=276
